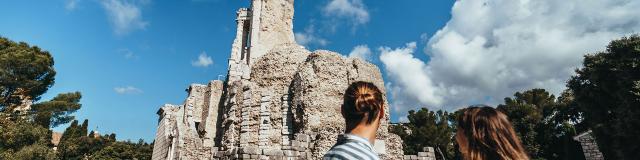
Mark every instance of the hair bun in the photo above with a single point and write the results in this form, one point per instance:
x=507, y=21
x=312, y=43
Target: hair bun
x=362, y=98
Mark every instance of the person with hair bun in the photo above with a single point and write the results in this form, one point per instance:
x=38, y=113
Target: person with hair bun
x=362, y=109
x=485, y=133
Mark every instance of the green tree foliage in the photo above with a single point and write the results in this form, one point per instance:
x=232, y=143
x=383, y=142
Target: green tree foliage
x=427, y=129
x=76, y=144
x=125, y=150
x=542, y=124
x=607, y=92
x=58, y=110
x=25, y=71
x=21, y=139
x=69, y=146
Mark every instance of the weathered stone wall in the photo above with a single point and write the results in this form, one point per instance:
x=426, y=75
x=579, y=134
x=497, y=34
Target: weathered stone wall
x=427, y=154
x=165, y=134
x=210, y=115
x=188, y=131
x=271, y=25
x=279, y=101
x=589, y=146
x=318, y=90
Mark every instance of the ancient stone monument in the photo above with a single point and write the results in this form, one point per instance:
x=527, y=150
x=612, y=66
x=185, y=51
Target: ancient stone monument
x=279, y=100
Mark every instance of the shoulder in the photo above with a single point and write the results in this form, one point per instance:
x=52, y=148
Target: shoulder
x=349, y=151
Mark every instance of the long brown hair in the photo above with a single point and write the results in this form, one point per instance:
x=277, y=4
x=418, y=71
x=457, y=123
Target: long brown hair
x=361, y=100
x=486, y=133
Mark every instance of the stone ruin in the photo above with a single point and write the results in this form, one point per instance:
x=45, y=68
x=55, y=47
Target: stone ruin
x=589, y=146
x=279, y=100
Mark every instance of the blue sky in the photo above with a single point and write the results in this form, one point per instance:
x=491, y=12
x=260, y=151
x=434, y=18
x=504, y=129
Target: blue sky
x=129, y=57
x=152, y=65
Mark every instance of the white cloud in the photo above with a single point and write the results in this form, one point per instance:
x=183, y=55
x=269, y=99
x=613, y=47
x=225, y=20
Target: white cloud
x=491, y=49
x=127, y=90
x=351, y=9
x=362, y=52
x=203, y=60
x=408, y=83
x=125, y=16
x=309, y=37
x=71, y=5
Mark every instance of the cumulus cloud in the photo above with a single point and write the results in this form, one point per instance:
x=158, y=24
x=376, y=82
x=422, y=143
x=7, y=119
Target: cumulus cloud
x=362, y=52
x=125, y=16
x=203, y=60
x=490, y=49
x=127, y=90
x=351, y=9
x=309, y=37
x=408, y=81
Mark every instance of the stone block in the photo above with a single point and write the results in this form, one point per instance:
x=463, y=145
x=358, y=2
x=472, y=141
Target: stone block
x=380, y=146
x=428, y=149
x=423, y=154
x=246, y=95
x=231, y=152
x=290, y=153
x=265, y=98
x=272, y=152
x=406, y=157
x=303, y=138
x=250, y=150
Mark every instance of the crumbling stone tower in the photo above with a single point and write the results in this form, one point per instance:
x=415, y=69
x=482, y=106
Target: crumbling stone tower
x=279, y=101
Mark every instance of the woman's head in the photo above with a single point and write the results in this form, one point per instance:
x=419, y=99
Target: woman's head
x=363, y=103
x=486, y=133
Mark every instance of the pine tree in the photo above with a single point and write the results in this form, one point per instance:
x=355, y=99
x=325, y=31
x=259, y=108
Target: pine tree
x=25, y=72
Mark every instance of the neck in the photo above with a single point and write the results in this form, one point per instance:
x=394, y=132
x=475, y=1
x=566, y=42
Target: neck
x=365, y=131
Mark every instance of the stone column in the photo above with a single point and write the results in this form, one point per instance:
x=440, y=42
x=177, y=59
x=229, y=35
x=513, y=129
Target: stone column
x=287, y=122
x=265, y=121
x=245, y=129
x=239, y=46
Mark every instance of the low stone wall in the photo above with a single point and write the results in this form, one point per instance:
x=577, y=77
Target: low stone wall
x=427, y=154
x=299, y=149
x=589, y=146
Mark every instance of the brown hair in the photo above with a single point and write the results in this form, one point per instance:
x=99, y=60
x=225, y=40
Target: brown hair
x=361, y=99
x=486, y=133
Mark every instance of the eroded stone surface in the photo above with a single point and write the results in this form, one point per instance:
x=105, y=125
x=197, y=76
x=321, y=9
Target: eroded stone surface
x=279, y=100
x=318, y=90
